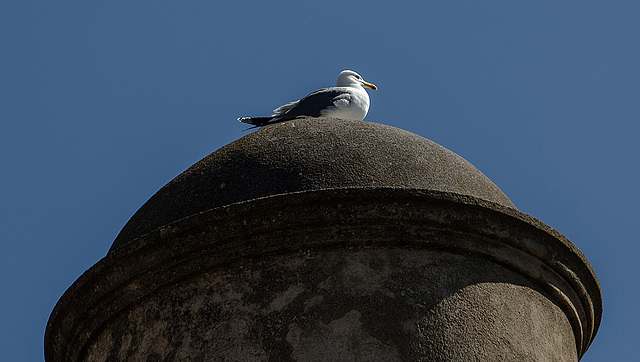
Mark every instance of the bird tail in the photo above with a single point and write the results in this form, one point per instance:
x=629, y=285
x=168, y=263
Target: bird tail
x=256, y=121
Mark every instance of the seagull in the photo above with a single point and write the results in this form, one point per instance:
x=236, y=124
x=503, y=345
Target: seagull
x=349, y=100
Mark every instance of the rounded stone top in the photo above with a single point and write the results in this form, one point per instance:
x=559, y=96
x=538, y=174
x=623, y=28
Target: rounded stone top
x=310, y=154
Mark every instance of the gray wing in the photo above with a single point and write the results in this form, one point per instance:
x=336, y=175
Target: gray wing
x=312, y=105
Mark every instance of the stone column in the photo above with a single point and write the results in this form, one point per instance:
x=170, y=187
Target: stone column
x=353, y=273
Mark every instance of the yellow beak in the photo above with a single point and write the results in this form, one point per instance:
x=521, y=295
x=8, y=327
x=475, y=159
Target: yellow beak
x=369, y=85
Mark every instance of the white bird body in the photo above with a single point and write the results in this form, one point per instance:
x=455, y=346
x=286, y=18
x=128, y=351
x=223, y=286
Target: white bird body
x=349, y=100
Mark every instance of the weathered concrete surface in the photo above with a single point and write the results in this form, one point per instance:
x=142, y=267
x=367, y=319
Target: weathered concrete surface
x=330, y=240
x=336, y=274
x=345, y=305
x=310, y=154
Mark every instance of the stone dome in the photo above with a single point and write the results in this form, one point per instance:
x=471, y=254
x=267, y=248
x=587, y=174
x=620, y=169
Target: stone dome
x=310, y=154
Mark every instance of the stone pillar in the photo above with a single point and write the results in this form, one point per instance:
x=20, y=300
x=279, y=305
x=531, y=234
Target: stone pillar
x=303, y=242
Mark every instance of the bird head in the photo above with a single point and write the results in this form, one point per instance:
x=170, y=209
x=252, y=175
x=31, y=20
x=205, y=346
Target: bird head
x=349, y=78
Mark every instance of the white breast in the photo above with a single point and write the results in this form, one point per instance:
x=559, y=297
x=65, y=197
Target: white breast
x=352, y=105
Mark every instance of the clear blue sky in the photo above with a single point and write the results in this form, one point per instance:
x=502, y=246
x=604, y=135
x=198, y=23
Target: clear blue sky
x=102, y=103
